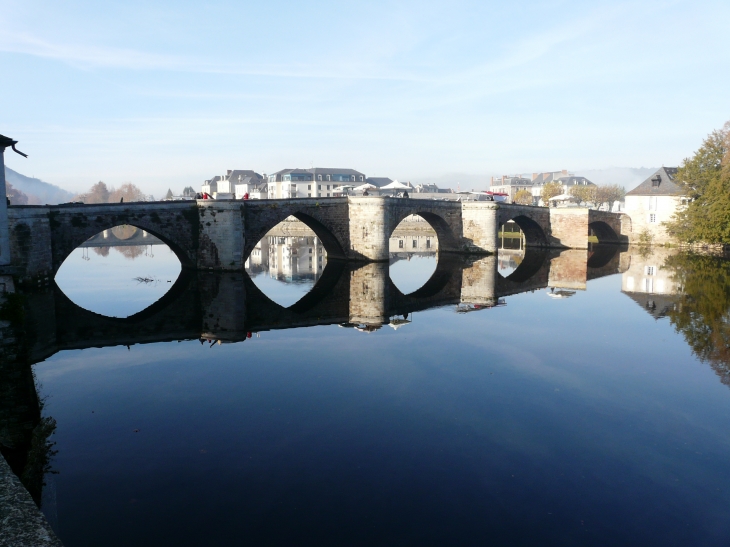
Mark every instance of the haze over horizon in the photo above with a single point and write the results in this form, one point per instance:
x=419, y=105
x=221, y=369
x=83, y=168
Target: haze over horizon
x=168, y=95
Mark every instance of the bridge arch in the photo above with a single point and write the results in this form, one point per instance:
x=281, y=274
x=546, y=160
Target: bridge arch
x=328, y=221
x=439, y=218
x=62, y=250
x=328, y=298
x=604, y=232
x=534, y=234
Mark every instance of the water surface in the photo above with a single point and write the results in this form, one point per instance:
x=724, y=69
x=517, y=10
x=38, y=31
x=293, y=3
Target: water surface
x=599, y=417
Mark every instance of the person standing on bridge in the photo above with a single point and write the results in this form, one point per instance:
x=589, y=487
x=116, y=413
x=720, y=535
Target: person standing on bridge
x=245, y=196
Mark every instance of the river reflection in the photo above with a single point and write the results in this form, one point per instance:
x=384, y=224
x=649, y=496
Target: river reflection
x=596, y=419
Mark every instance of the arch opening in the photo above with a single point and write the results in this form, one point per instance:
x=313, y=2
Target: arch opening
x=599, y=255
x=119, y=272
x=532, y=233
x=264, y=301
x=602, y=233
x=523, y=266
x=413, y=251
x=521, y=249
x=119, y=233
x=288, y=262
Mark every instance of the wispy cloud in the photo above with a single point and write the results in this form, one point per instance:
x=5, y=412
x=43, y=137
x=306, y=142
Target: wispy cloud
x=92, y=56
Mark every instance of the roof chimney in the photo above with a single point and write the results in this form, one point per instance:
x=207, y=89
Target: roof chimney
x=564, y=171
x=534, y=176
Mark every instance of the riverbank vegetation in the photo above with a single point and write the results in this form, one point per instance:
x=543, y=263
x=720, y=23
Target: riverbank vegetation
x=705, y=179
x=702, y=312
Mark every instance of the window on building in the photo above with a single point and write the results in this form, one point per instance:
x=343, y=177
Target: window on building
x=400, y=244
x=310, y=251
x=328, y=194
x=650, y=270
x=428, y=244
x=415, y=244
x=309, y=186
x=656, y=181
x=328, y=187
x=319, y=177
x=319, y=187
x=309, y=194
x=652, y=218
x=328, y=177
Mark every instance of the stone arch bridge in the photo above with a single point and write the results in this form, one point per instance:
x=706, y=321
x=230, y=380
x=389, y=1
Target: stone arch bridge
x=219, y=235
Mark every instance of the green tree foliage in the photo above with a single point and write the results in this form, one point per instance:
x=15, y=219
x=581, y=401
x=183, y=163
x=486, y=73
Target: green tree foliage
x=702, y=314
x=705, y=178
x=523, y=197
x=583, y=194
x=550, y=190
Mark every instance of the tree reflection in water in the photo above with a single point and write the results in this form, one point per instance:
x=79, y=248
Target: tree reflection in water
x=702, y=312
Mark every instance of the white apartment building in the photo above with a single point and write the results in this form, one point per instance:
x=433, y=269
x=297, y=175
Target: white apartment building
x=652, y=202
x=310, y=183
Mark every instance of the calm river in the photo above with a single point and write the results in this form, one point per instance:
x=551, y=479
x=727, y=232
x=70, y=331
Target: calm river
x=580, y=398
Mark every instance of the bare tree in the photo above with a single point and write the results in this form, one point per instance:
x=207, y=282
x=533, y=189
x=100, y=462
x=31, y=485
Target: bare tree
x=128, y=192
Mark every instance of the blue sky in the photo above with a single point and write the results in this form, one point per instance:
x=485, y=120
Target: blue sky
x=166, y=94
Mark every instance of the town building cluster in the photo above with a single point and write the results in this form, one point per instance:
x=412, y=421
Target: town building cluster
x=511, y=184
x=319, y=182
x=650, y=204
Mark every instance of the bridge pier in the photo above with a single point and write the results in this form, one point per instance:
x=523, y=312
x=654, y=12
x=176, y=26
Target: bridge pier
x=478, y=282
x=222, y=236
x=480, y=225
x=368, y=294
x=369, y=219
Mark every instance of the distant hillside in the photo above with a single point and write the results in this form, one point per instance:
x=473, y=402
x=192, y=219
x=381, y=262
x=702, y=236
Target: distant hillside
x=628, y=177
x=38, y=192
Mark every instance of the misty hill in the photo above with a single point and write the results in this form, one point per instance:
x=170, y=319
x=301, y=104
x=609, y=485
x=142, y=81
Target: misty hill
x=628, y=177
x=38, y=192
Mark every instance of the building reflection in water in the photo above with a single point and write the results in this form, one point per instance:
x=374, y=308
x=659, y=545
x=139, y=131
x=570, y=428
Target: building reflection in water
x=692, y=291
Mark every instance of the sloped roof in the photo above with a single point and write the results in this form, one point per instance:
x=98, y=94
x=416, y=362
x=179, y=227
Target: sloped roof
x=575, y=181
x=378, y=181
x=656, y=305
x=334, y=171
x=233, y=174
x=666, y=187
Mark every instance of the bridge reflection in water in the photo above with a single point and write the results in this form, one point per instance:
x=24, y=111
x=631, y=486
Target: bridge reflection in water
x=228, y=306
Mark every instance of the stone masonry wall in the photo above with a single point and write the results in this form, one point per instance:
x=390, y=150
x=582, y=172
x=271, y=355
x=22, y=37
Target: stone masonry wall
x=480, y=227
x=221, y=235
x=569, y=227
x=30, y=242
